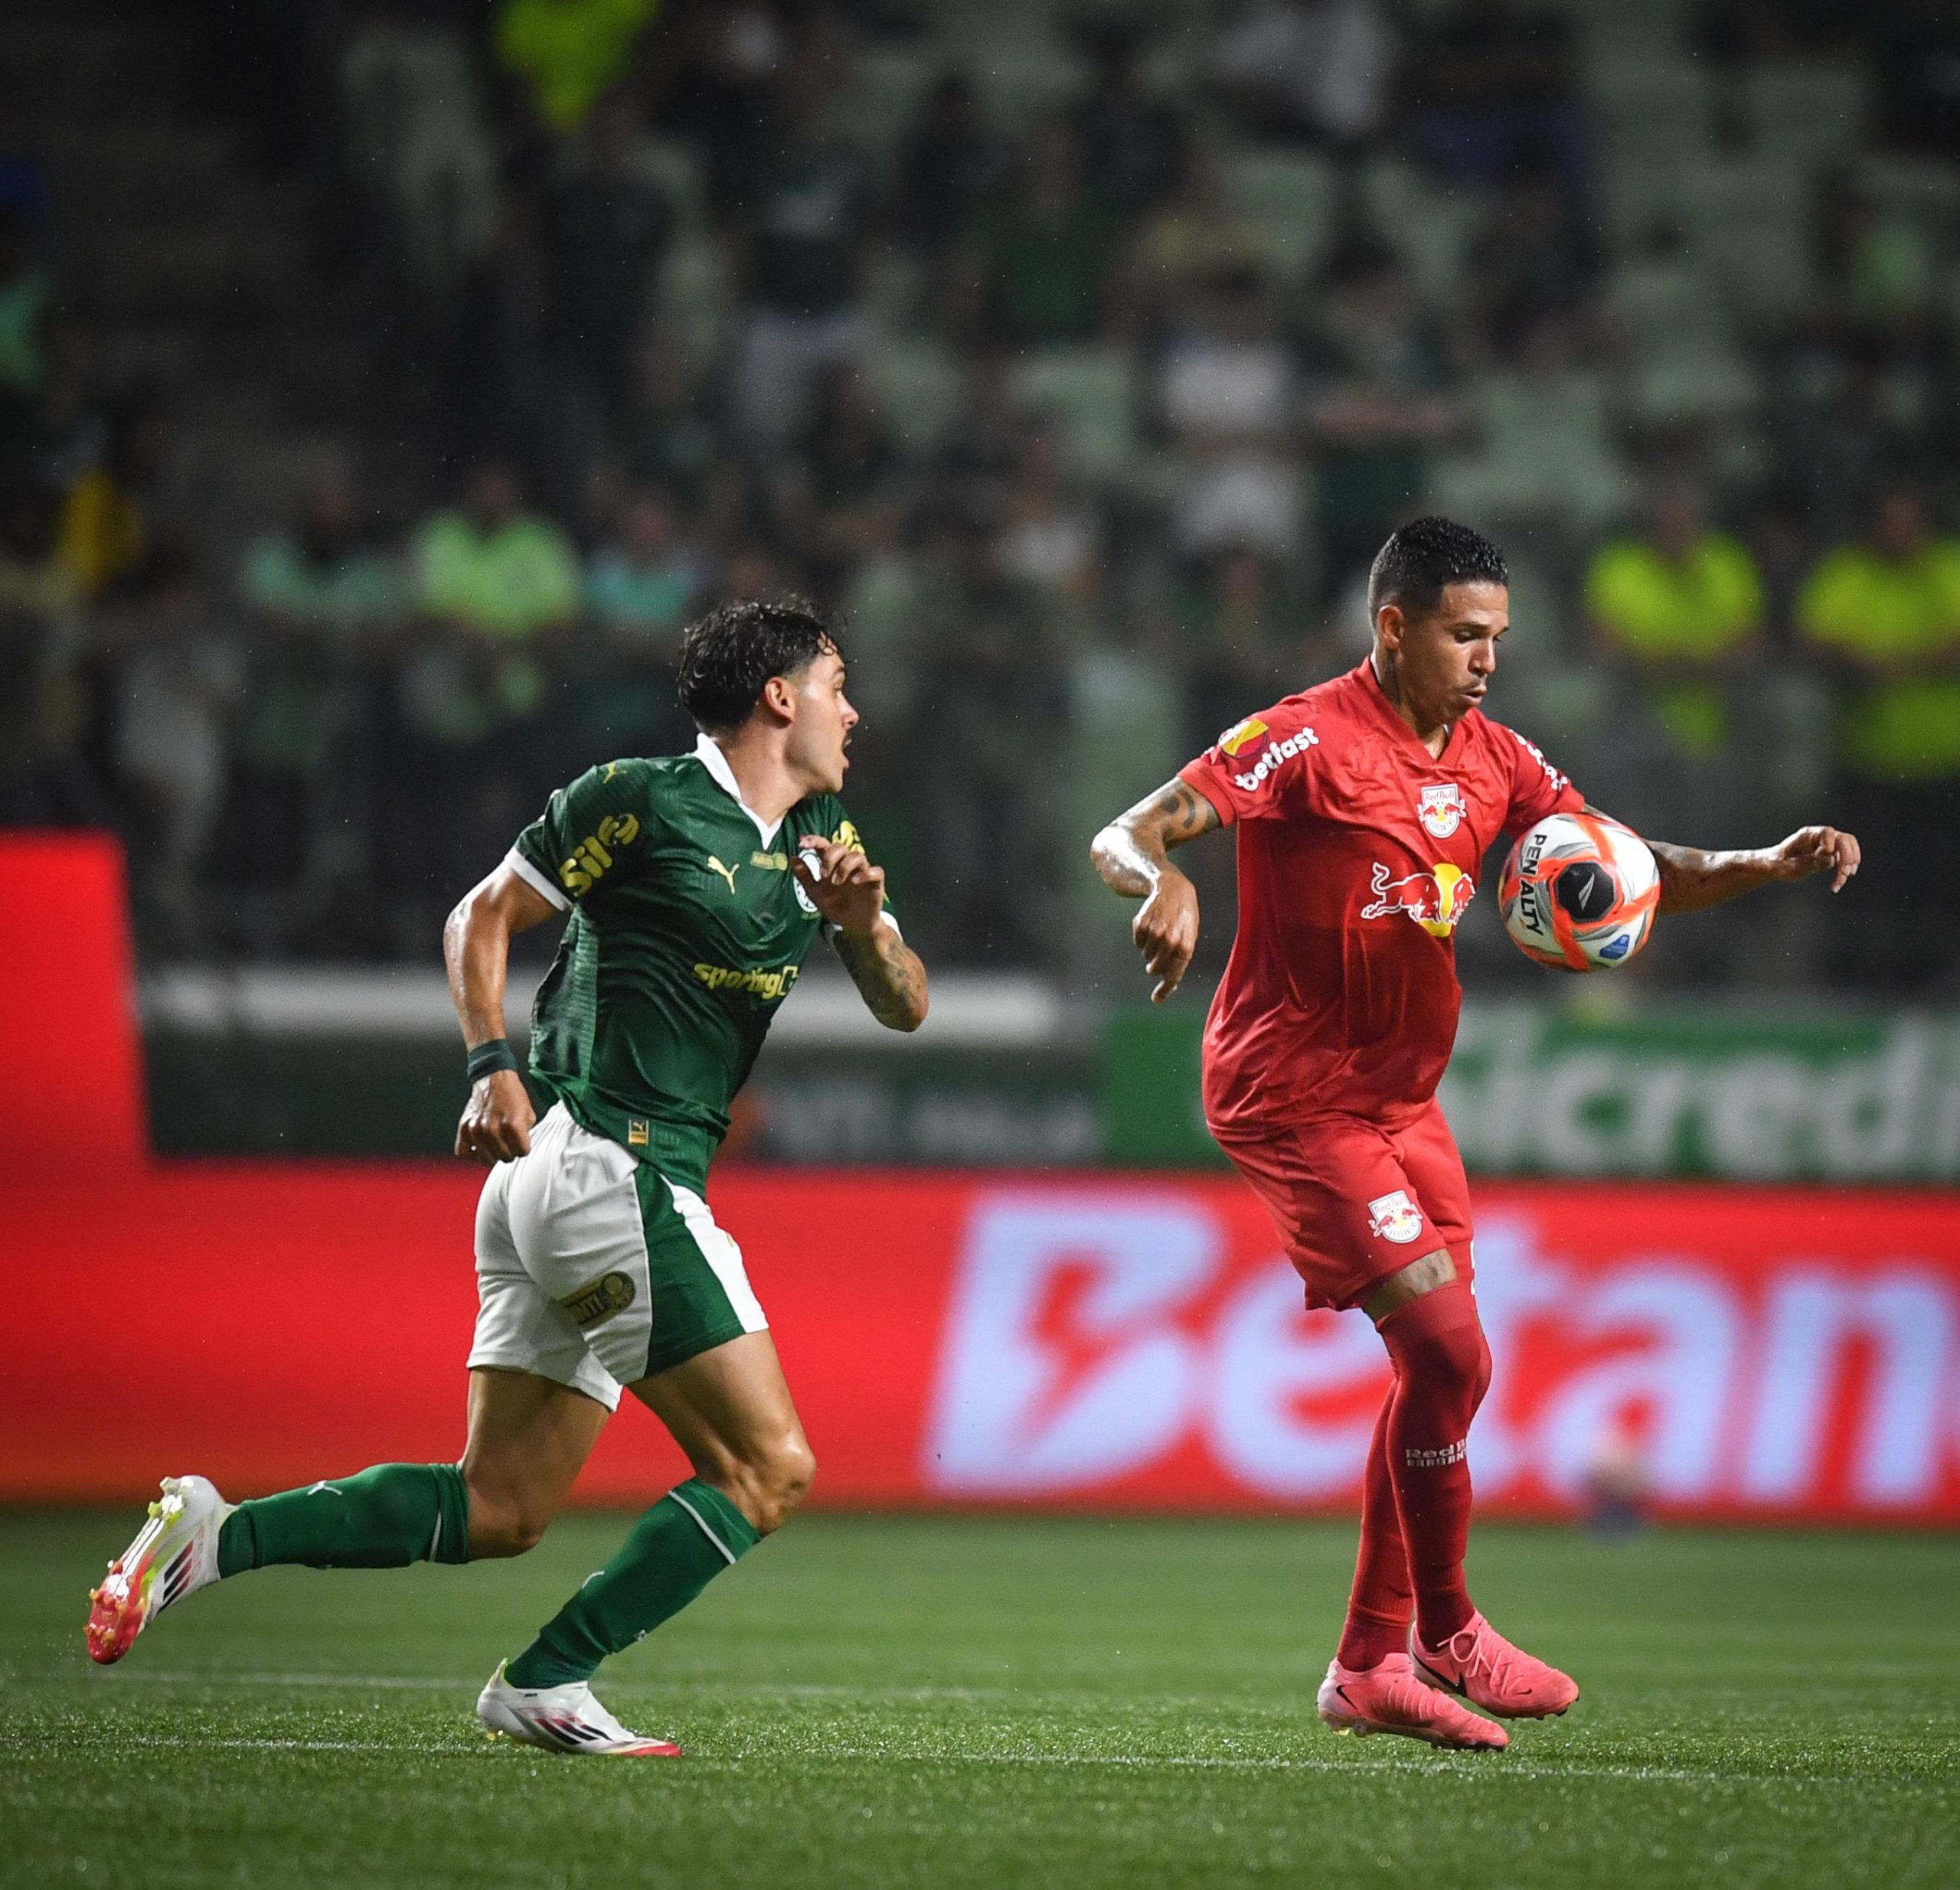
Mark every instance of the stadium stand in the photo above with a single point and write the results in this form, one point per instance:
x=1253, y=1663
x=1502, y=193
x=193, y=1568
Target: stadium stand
x=1074, y=353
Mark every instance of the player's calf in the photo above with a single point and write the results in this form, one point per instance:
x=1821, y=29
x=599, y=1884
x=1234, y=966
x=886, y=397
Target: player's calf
x=174, y=1554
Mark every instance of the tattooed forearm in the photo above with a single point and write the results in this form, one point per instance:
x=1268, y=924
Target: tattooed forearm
x=888, y=974
x=1691, y=880
x=1130, y=853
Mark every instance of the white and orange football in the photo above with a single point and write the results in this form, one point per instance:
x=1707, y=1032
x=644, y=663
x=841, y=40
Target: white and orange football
x=1579, y=891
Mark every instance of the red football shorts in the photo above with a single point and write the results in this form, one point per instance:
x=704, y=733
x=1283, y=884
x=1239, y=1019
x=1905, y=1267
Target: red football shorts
x=1355, y=1201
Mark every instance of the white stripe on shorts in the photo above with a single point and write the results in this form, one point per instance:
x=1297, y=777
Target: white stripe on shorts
x=722, y=1254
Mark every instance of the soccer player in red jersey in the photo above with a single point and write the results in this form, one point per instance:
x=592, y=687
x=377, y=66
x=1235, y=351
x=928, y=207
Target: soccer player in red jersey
x=1364, y=806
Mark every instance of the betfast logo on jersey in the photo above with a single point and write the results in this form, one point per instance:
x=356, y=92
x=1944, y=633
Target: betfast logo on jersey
x=1434, y=899
x=1442, y=810
x=1276, y=753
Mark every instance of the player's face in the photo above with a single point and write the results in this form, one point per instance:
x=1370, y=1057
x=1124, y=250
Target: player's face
x=1447, y=657
x=824, y=718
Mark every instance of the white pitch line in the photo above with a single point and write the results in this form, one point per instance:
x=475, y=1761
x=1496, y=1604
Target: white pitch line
x=408, y=1682
x=1494, y=1769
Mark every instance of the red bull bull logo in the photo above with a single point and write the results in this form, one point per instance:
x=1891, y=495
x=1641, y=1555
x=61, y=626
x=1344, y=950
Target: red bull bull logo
x=1435, y=900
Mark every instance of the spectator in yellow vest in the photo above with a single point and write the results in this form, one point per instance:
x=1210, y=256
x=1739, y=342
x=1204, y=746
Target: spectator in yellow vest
x=1884, y=615
x=1679, y=604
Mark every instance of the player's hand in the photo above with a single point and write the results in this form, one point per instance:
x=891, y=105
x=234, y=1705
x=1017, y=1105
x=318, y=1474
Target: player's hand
x=496, y=1124
x=843, y=885
x=1166, y=932
x=1816, y=850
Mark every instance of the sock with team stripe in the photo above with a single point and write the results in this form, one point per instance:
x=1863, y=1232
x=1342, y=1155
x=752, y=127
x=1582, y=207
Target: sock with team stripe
x=386, y=1517
x=676, y=1549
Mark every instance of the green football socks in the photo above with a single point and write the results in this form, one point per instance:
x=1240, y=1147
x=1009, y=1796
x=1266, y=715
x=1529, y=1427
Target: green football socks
x=385, y=1518
x=679, y=1546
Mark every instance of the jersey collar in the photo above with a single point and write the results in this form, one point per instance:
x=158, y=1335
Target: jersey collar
x=1371, y=684
x=707, y=751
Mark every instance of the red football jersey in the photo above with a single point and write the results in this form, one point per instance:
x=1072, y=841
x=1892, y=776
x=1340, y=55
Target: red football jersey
x=1358, y=851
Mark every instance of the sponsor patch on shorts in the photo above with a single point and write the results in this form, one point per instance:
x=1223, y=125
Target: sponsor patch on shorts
x=610, y=1293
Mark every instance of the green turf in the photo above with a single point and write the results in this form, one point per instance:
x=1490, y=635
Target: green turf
x=954, y=1703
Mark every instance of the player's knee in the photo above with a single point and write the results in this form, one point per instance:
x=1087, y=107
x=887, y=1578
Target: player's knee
x=501, y=1526
x=1438, y=1339
x=768, y=1484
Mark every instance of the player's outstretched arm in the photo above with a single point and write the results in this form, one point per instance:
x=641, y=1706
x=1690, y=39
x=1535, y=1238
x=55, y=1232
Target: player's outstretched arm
x=1132, y=854
x=476, y=947
x=850, y=892
x=1691, y=880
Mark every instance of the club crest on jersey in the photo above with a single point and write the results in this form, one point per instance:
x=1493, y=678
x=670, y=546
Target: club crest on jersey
x=1434, y=899
x=1240, y=734
x=1394, y=1217
x=1442, y=810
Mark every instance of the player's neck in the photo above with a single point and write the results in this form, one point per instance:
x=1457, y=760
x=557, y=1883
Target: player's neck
x=770, y=787
x=1434, y=735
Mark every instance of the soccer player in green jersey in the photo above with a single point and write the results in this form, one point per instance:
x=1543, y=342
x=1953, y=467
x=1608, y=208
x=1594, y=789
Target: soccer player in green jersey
x=694, y=886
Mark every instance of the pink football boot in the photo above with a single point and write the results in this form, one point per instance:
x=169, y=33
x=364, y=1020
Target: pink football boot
x=1390, y=1698
x=1479, y=1664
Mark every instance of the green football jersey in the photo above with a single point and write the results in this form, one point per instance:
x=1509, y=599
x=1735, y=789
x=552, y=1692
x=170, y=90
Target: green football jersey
x=686, y=931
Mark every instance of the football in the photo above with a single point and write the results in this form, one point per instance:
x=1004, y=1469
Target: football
x=1578, y=891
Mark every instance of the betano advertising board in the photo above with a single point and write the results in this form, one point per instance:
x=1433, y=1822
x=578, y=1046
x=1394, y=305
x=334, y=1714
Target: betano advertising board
x=1132, y=1342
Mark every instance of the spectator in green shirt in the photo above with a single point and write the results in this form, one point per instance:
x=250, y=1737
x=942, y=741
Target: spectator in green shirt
x=802, y=261
x=1041, y=250
x=1678, y=604
x=321, y=601
x=1884, y=615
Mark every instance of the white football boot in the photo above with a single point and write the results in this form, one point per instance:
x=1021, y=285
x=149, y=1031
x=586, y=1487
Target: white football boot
x=562, y=1719
x=174, y=1554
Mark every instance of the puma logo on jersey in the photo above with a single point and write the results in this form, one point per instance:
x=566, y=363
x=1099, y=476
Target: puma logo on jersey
x=727, y=872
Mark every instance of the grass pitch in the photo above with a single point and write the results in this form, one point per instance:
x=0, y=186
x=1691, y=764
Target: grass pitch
x=875, y=1701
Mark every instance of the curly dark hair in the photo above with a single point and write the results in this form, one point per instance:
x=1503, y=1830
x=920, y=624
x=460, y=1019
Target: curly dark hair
x=728, y=655
x=1426, y=556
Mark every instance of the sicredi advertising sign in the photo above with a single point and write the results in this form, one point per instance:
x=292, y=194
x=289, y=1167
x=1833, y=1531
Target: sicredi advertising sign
x=1093, y=1341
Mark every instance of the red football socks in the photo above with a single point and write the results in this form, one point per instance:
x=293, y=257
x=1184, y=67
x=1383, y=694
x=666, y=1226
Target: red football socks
x=1442, y=1368
x=1381, y=1601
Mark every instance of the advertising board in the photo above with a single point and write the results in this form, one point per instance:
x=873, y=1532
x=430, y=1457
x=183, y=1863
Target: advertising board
x=1124, y=1341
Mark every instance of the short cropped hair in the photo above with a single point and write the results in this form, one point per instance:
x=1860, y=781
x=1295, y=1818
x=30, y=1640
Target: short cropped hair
x=1426, y=556
x=729, y=655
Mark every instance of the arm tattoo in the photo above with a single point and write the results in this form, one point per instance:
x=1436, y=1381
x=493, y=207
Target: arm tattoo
x=1691, y=880
x=889, y=976
x=1130, y=852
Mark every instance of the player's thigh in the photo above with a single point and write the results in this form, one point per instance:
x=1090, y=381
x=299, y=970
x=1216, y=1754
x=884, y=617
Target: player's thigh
x=529, y=1438
x=730, y=1411
x=1348, y=1211
x=1434, y=1165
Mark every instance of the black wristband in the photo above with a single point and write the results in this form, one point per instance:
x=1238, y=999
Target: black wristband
x=486, y=1059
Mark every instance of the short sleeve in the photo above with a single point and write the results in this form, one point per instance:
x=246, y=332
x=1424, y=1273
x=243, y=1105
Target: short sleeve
x=1262, y=769
x=842, y=832
x=587, y=832
x=1538, y=789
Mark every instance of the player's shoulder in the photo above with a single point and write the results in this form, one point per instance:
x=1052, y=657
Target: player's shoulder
x=1507, y=748
x=823, y=814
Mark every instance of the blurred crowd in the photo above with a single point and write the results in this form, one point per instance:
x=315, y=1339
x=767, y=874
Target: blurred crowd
x=1079, y=362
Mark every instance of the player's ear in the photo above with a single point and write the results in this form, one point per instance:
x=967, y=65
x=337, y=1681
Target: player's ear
x=1389, y=624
